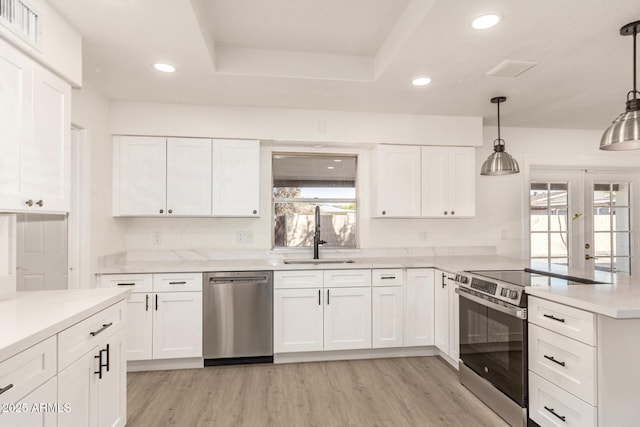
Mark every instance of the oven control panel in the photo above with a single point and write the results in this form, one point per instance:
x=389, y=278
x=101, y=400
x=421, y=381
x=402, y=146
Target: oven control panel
x=484, y=286
x=500, y=290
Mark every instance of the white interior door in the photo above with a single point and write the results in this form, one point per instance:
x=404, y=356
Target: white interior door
x=41, y=252
x=584, y=219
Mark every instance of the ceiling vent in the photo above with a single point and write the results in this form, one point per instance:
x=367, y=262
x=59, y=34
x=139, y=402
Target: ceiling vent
x=22, y=19
x=511, y=68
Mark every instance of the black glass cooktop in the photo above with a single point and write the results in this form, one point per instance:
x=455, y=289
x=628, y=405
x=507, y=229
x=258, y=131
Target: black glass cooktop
x=529, y=277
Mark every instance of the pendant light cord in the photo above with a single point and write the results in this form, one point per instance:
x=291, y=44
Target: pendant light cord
x=635, y=90
x=499, y=139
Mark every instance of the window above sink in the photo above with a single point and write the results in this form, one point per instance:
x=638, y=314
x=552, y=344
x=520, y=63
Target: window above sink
x=303, y=181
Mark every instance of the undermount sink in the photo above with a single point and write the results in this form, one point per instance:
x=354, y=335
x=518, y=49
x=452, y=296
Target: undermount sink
x=318, y=261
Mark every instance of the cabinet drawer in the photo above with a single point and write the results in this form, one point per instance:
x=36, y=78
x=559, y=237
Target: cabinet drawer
x=297, y=279
x=572, y=322
x=565, y=362
x=139, y=282
x=176, y=282
x=549, y=404
x=347, y=278
x=80, y=338
x=387, y=277
x=27, y=370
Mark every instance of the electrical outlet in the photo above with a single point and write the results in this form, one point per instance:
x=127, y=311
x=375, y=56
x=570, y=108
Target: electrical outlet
x=504, y=234
x=244, y=236
x=156, y=238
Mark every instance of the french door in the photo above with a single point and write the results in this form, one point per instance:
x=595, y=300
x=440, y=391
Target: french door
x=584, y=219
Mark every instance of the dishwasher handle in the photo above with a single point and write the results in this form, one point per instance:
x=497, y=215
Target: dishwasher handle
x=238, y=279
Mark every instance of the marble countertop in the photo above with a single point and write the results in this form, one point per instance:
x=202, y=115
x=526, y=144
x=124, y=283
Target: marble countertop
x=30, y=317
x=619, y=299
x=448, y=263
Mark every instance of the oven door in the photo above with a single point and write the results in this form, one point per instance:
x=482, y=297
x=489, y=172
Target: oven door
x=493, y=343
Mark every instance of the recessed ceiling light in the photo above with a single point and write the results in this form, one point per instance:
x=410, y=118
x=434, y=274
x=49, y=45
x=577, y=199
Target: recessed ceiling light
x=485, y=22
x=337, y=160
x=330, y=167
x=165, y=68
x=421, y=81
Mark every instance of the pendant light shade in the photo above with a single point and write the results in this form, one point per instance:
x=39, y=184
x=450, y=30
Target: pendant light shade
x=499, y=162
x=624, y=132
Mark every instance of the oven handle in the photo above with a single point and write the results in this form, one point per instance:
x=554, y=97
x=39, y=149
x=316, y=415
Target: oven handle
x=519, y=312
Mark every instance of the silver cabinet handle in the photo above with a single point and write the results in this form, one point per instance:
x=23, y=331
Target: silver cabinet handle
x=29, y=203
x=40, y=203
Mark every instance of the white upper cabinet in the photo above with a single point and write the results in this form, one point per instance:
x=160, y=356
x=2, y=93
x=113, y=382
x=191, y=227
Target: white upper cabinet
x=236, y=178
x=188, y=177
x=140, y=176
x=182, y=177
x=396, y=189
x=413, y=181
x=448, y=182
x=34, y=136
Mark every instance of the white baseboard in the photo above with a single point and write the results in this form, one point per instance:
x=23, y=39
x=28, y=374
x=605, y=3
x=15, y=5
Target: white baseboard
x=378, y=353
x=164, y=364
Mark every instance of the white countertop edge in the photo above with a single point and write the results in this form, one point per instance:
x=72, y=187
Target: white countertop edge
x=109, y=297
x=584, y=304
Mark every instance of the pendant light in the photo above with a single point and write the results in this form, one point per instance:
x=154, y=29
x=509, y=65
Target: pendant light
x=499, y=162
x=624, y=132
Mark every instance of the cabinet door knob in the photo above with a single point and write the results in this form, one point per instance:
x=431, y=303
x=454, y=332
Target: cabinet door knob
x=446, y=212
x=255, y=211
x=453, y=212
x=384, y=212
x=29, y=203
x=40, y=203
x=170, y=211
x=161, y=210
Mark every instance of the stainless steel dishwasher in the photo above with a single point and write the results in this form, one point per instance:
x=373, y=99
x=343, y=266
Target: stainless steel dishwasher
x=238, y=317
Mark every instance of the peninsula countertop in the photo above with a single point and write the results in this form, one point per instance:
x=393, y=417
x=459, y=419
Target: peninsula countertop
x=29, y=317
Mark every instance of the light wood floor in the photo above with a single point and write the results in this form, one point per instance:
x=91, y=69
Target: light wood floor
x=416, y=391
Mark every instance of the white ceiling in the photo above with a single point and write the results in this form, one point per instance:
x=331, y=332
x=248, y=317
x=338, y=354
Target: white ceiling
x=360, y=55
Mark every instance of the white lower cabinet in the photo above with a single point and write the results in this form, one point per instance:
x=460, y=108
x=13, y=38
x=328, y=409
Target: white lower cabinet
x=37, y=409
x=76, y=377
x=446, y=315
x=298, y=320
x=550, y=405
x=387, y=303
x=165, y=312
x=93, y=386
x=177, y=325
x=347, y=318
x=310, y=317
x=419, y=307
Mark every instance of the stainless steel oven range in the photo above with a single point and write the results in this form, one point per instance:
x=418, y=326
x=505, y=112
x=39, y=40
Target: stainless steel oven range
x=493, y=339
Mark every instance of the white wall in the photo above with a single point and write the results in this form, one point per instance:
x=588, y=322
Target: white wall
x=90, y=112
x=501, y=201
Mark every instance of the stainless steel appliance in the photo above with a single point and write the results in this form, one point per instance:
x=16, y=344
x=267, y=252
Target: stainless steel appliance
x=493, y=340
x=238, y=317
